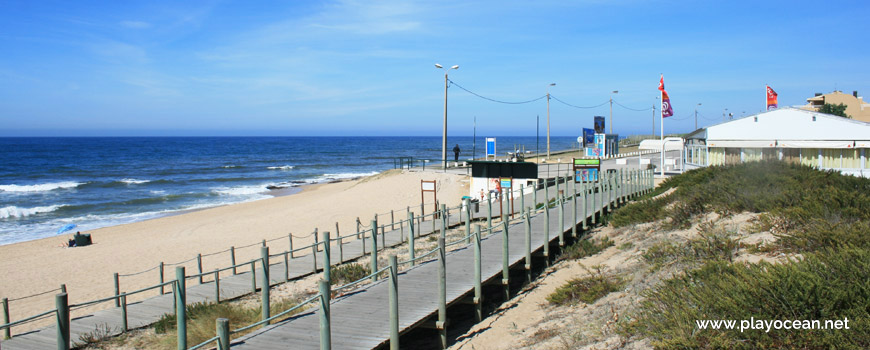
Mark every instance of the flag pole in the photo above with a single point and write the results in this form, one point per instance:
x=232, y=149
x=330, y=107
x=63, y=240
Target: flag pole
x=662, y=115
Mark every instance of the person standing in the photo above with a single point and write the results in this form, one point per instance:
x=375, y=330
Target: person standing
x=456, y=153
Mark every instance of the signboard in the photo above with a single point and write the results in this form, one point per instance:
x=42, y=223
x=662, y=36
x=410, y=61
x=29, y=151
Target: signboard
x=588, y=137
x=490, y=147
x=428, y=186
x=586, y=170
x=506, y=182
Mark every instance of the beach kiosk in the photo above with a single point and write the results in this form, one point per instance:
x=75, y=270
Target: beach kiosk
x=488, y=176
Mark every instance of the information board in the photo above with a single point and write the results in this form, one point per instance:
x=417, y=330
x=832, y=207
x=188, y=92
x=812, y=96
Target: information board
x=490, y=147
x=506, y=182
x=586, y=170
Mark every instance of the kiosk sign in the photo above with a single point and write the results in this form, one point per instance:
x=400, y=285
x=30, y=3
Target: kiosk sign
x=586, y=170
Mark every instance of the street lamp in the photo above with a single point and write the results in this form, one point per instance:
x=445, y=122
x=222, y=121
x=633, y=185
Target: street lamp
x=611, y=109
x=723, y=114
x=696, y=116
x=444, y=131
x=548, y=119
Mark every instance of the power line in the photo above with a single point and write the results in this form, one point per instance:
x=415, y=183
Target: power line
x=632, y=109
x=491, y=99
x=581, y=107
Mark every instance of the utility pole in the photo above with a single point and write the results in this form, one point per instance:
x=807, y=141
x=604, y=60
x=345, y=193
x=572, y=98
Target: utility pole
x=696, y=116
x=444, y=132
x=548, y=119
x=611, y=109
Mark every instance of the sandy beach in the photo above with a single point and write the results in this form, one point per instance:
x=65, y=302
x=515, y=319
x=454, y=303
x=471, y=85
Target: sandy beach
x=42, y=265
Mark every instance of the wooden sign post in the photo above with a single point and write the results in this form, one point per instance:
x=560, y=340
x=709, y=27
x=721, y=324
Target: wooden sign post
x=428, y=186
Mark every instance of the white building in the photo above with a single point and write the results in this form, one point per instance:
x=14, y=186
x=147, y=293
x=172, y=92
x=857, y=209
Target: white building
x=793, y=135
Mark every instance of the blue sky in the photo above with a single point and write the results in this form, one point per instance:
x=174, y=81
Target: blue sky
x=367, y=67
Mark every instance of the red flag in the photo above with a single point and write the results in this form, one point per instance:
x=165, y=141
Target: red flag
x=771, y=99
x=667, y=111
x=662, y=83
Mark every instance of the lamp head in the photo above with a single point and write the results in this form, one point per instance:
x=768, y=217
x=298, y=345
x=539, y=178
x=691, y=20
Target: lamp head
x=455, y=67
x=615, y=91
x=438, y=65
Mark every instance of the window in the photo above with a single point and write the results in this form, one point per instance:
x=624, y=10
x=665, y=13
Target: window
x=810, y=156
x=851, y=159
x=832, y=158
x=752, y=154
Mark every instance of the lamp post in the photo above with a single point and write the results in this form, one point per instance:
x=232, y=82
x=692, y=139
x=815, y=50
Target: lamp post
x=723, y=114
x=696, y=116
x=444, y=132
x=611, y=109
x=548, y=119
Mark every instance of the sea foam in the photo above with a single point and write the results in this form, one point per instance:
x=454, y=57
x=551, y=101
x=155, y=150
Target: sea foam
x=285, y=167
x=134, y=181
x=40, y=187
x=16, y=212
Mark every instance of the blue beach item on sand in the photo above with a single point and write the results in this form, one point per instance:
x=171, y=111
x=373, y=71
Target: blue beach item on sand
x=66, y=228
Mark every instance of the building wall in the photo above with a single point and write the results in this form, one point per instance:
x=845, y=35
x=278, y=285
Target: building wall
x=855, y=106
x=849, y=161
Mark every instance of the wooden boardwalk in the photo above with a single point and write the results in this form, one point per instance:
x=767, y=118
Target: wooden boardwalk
x=148, y=311
x=360, y=320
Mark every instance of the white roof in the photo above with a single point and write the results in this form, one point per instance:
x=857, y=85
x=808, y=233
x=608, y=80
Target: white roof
x=789, y=124
x=671, y=144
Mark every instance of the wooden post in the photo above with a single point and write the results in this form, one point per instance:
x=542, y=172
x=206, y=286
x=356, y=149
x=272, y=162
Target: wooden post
x=442, y=293
x=394, y=303
x=573, y=211
x=327, y=262
x=505, y=264
x=7, y=332
x=286, y=266
x=528, y=259
x=444, y=215
x=358, y=223
x=117, y=290
x=467, y=221
x=374, y=255
x=522, y=196
x=290, y=239
x=557, y=185
x=489, y=211
x=316, y=240
x=217, y=286
x=162, y=287
x=314, y=257
x=222, y=326
x=411, y=253
x=264, y=290
x=547, y=191
x=63, y=288
x=253, y=276
x=325, y=327
x=199, y=266
x=181, y=307
x=561, y=227
x=535, y=197
x=340, y=251
x=392, y=220
x=124, y=313
x=595, y=194
x=478, y=288
x=61, y=302
x=233, y=259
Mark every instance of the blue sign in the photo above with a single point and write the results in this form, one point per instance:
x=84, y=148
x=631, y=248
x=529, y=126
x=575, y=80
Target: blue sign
x=586, y=175
x=490, y=146
x=588, y=136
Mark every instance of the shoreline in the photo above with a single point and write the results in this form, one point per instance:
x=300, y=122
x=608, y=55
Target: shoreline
x=134, y=250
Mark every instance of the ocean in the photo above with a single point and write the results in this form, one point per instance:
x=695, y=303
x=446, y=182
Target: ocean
x=94, y=182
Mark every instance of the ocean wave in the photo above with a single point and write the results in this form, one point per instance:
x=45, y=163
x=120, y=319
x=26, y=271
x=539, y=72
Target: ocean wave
x=240, y=191
x=40, y=187
x=134, y=181
x=230, y=166
x=16, y=212
x=285, y=167
x=345, y=176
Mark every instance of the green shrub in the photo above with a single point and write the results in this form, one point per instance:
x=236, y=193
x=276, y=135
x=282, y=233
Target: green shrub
x=347, y=273
x=712, y=244
x=831, y=285
x=586, y=247
x=587, y=290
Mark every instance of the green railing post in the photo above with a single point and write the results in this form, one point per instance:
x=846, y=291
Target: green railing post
x=444, y=221
x=392, y=220
x=181, y=307
x=199, y=266
x=442, y=293
x=340, y=251
x=327, y=259
x=478, y=288
x=286, y=266
x=325, y=327
x=522, y=196
x=467, y=220
x=316, y=240
x=358, y=224
x=61, y=302
x=162, y=287
x=557, y=185
x=124, y=313
x=561, y=229
x=314, y=255
x=394, y=303
x=547, y=191
x=374, y=255
x=489, y=211
x=411, y=253
x=117, y=290
x=233, y=260
x=573, y=211
x=266, y=286
x=222, y=328
x=505, y=263
x=7, y=333
x=290, y=239
x=253, y=276
x=63, y=288
x=595, y=194
x=585, y=205
x=217, y=286
x=528, y=249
